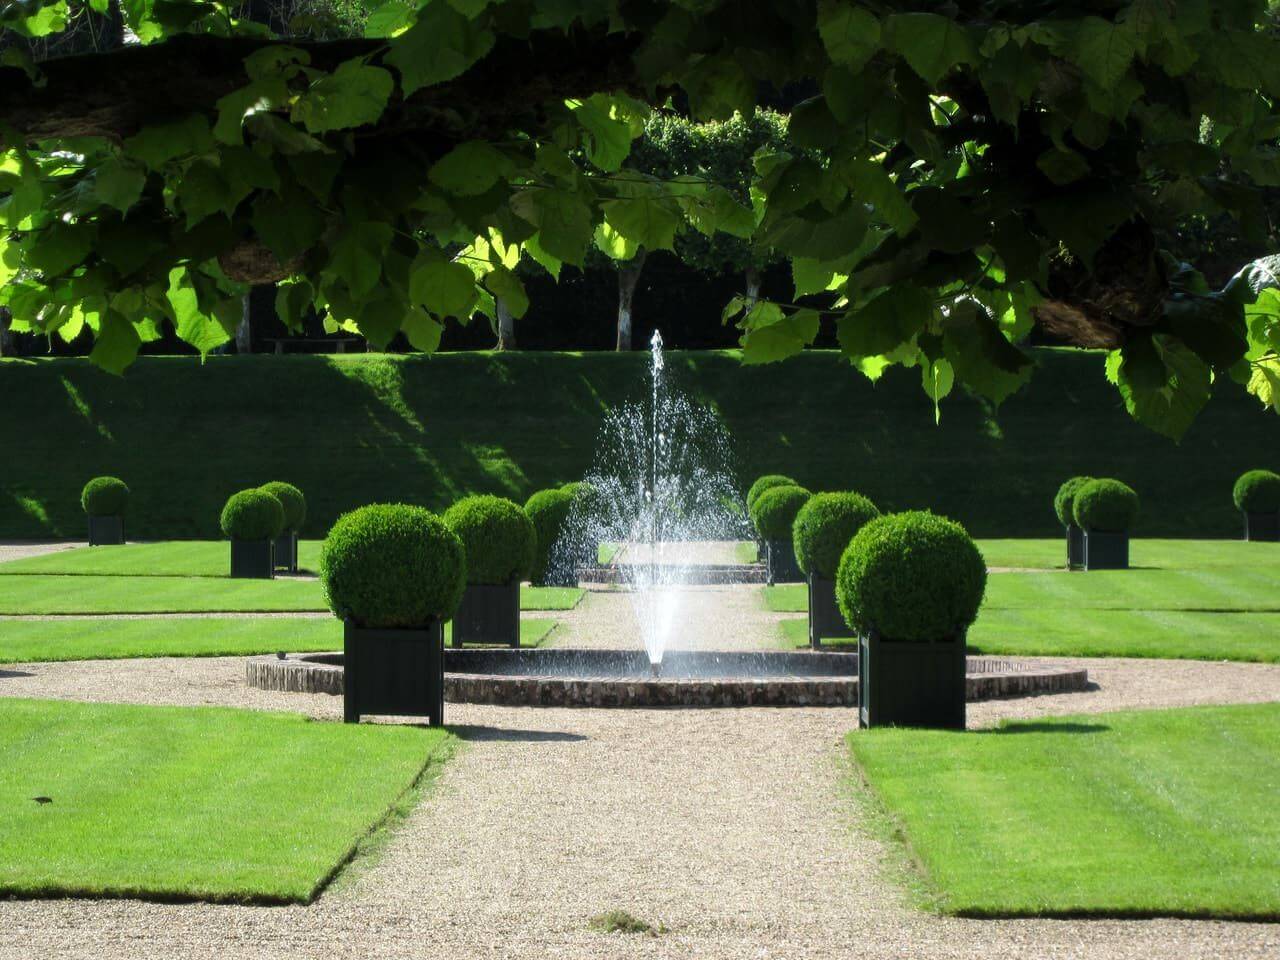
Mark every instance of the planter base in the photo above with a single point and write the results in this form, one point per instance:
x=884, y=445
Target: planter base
x=1262, y=527
x=907, y=684
x=1105, y=550
x=286, y=552
x=825, y=620
x=1075, y=548
x=780, y=562
x=252, y=559
x=397, y=673
x=106, y=531
x=489, y=613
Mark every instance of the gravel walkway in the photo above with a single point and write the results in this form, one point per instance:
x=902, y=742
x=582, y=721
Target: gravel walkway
x=21, y=549
x=734, y=828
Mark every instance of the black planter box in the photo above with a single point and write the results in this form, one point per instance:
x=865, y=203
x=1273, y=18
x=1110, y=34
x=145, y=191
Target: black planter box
x=780, y=560
x=825, y=620
x=1262, y=527
x=909, y=684
x=106, y=531
x=286, y=552
x=253, y=559
x=489, y=613
x=1075, y=547
x=1106, y=550
x=398, y=673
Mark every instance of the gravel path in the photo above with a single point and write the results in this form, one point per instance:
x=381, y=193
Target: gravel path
x=736, y=829
x=21, y=549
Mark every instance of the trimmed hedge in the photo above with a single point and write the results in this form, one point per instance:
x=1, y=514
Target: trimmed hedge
x=767, y=482
x=294, y=503
x=1064, y=501
x=825, y=525
x=911, y=576
x=104, y=497
x=1257, y=491
x=774, y=511
x=252, y=515
x=498, y=535
x=393, y=566
x=547, y=511
x=1106, y=505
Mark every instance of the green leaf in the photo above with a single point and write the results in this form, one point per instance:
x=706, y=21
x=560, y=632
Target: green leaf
x=268, y=93
x=444, y=287
x=647, y=221
x=771, y=336
x=869, y=182
x=930, y=43
x=612, y=123
x=937, y=377
x=59, y=247
x=288, y=227
x=1264, y=382
x=353, y=95
x=1104, y=50
x=850, y=34
x=157, y=145
x=470, y=168
x=118, y=183
x=357, y=256
x=440, y=46
x=1062, y=166
x=506, y=286
x=563, y=221
x=1164, y=384
x=116, y=344
x=890, y=321
x=423, y=331
x=380, y=318
x=545, y=260
x=614, y=245
x=201, y=331
x=983, y=358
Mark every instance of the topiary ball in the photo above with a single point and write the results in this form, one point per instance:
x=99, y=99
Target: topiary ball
x=1064, y=501
x=253, y=515
x=823, y=528
x=499, y=538
x=767, y=482
x=774, y=511
x=1106, y=505
x=294, y=503
x=547, y=511
x=392, y=566
x=104, y=497
x=1257, y=491
x=911, y=576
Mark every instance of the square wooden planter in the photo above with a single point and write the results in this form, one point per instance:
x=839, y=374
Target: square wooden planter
x=253, y=559
x=1075, y=547
x=489, y=613
x=397, y=673
x=106, y=531
x=1106, y=550
x=825, y=620
x=1262, y=527
x=780, y=562
x=911, y=684
x=286, y=552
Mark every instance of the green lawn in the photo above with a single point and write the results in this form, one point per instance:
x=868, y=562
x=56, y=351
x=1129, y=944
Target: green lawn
x=185, y=434
x=1152, y=813
x=79, y=594
x=204, y=803
x=26, y=641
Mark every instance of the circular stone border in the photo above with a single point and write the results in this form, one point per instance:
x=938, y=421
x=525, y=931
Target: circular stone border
x=807, y=679
x=693, y=574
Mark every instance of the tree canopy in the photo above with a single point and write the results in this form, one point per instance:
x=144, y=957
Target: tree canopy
x=961, y=173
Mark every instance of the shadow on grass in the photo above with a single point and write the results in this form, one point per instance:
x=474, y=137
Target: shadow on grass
x=1039, y=727
x=9, y=674
x=474, y=732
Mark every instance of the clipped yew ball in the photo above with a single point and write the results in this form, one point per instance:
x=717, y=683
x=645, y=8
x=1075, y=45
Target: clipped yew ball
x=823, y=528
x=253, y=515
x=498, y=537
x=104, y=497
x=547, y=511
x=774, y=511
x=1106, y=505
x=1257, y=491
x=294, y=503
x=392, y=566
x=911, y=576
x=1064, y=501
x=767, y=482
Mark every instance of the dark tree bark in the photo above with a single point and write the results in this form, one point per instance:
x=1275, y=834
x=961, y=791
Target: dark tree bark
x=258, y=307
x=628, y=277
x=8, y=341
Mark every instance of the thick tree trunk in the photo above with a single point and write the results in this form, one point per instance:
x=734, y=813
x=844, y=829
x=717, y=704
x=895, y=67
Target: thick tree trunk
x=628, y=277
x=8, y=342
x=753, y=285
x=257, y=308
x=506, y=325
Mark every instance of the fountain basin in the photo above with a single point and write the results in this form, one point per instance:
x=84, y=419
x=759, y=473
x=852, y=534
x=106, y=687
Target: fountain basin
x=623, y=678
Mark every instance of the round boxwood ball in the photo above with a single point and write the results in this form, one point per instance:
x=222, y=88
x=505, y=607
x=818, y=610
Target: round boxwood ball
x=294, y=503
x=547, y=511
x=1064, y=501
x=1257, y=491
x=767, y=482
x=104, y=497
x=774, y=511
x=1106, y=505
x=911, y=576
x=392, y=566
x=498, y=536
x=253, y=515
x=825, y=525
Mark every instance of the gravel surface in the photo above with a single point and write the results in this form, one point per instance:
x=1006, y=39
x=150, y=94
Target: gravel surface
x=21, y=549
x=736, y=829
